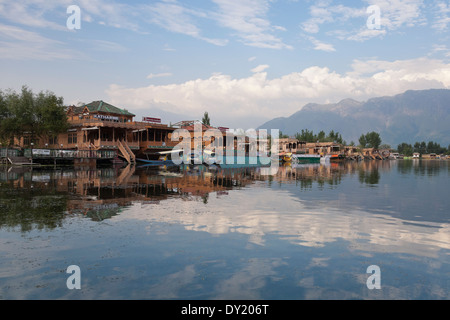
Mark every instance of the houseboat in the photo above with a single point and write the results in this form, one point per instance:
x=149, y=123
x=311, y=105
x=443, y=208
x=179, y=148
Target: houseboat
x=99, y=131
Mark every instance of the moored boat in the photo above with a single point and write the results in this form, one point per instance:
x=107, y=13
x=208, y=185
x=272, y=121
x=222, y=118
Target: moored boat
x=306, y=158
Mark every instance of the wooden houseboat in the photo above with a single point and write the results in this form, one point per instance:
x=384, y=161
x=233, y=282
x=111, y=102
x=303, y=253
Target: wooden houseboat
x=99, y=130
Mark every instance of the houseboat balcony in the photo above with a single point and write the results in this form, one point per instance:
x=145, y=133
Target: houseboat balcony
x=108, y=144
x=166, y=144
x=116, y=124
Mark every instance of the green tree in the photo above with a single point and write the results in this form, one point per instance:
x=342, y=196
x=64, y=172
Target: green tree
x=321, y=136
x=206, y=120
x=420, y=147
x=362, y=141
x=370, y=140
x=405, y=149
x=38, y=115
x=305, y=135
x=373, y=140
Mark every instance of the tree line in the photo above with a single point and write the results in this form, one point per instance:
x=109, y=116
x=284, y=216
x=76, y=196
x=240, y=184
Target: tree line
x=29, y=114
x=422, y=148
x=309, y=136
x=368, y=140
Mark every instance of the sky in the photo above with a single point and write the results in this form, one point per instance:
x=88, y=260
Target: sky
x=242, y=61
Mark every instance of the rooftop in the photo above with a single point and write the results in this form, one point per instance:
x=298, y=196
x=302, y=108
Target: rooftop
x=101, y=106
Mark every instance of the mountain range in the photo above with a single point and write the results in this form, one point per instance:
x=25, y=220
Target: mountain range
x=416, y=115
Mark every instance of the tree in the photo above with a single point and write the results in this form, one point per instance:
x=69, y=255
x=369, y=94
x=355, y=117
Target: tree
x=309, y=136
x=420, y=147
x=321, y=136
x=34, y=115
x=373, y=140
x=206, y=120
x=370, y=140
x=405, y=149
x=306, y=135
x=362, y=141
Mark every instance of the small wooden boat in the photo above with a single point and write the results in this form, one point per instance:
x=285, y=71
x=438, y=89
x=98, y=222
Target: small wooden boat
x=287, y=157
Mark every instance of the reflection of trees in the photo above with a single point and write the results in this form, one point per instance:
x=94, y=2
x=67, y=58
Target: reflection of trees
x=31, y=208
x=426, y=167
x=421, y=167
x=32, y=198
x=405, y=167
x=369, y=177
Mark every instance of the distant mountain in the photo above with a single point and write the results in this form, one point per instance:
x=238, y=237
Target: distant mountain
x=422, y=115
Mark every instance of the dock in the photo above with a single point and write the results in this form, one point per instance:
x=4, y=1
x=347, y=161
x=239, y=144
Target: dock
x=20, y=161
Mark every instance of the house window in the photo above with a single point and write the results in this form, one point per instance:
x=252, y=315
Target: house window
x=72, y=138
x=53, y=140
x=158, y=136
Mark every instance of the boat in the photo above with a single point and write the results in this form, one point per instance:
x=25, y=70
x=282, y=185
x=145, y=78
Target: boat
x=162, y=160
x=156, y=162
x=287, y=157
x=306, y=158
x=337, y=157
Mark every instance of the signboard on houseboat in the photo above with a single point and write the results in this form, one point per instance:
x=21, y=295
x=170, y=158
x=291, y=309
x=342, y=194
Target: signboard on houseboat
x=149, y=119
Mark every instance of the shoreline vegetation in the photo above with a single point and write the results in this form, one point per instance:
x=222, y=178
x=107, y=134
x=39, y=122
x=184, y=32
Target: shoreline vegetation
x=44, y=116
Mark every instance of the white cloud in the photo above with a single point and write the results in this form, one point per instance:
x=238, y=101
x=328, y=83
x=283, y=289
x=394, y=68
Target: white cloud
x=442, y=16
x=20, y=44
x=400, y=13
x=53, y=15
x=30, y=13
x=248, y=20
x=176, y=18
x=321, y=46
x=250, y=101
x=159, y=75
x=322, y=13
x=395, y=14
x=260, y=68
x=365, y=34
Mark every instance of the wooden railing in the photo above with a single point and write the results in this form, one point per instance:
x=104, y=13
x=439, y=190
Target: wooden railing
x=103, y=123
x=69, y=154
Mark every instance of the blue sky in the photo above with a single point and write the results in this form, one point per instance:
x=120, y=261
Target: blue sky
x=243, y=61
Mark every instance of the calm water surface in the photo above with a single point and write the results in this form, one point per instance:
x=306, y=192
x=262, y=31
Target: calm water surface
x=308, y=232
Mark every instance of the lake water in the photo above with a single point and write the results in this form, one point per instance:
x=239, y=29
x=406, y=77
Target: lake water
x=308, y=232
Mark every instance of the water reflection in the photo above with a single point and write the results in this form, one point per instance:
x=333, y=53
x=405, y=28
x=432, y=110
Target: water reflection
x=305, y=232
x=48, y=195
